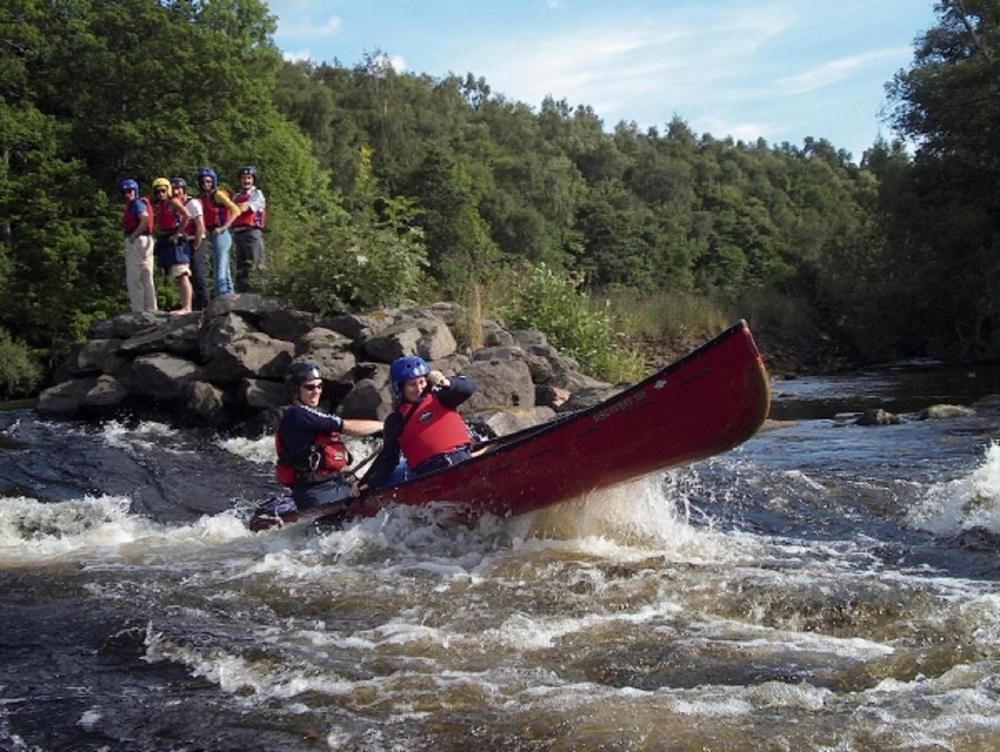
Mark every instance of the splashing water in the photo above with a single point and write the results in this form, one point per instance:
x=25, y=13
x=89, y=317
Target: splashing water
x=969, y=502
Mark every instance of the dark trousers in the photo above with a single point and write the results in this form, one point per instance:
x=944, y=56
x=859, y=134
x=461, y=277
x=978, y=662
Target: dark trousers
x=199, y=276
x=327, y=492
x=249, y=255
x=438, y=461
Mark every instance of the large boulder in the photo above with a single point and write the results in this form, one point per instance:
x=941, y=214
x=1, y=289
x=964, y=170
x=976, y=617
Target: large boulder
x=107, y=393
x=205, y=404
x=255, y=354
x=126, y=325
x=249, y=305
x=178, y=335
x=287, y=324
x=495, y=335
x=428, y=337
x=331, y=351
x=499, y=383
x=162, y=376
x=502, y=422
x=357, y=327
x=220, y=331
x=588, y=396
x=92, y=356
x=260, y=394
x=65, y=398
x=367, y=399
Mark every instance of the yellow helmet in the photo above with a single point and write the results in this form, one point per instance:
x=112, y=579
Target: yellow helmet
x=161, y=183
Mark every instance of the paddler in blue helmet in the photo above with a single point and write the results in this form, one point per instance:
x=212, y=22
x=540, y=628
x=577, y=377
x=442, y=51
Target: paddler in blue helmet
x=312, y=456
x=425, y=427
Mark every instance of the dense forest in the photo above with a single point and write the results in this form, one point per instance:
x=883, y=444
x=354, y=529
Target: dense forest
x=385, y=186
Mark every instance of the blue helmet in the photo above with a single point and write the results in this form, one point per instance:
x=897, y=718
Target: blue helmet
x=406, y=368
x=207, y=172
x=128, y=184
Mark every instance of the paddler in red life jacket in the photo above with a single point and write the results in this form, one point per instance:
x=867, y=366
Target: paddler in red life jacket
x=137, y=224
x=311, y=453
x=172, y=252
x=426, y=426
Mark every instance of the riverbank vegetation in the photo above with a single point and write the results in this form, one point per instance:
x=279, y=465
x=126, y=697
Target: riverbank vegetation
x=383, y=186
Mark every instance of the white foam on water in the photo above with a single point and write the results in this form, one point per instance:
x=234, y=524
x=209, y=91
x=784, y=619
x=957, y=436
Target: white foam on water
x=32, y=531
x=260, y=450
x=639, y=518
x=89, y=719
x=972, y=501
x=524, y=632
x=233, y=673
x=147, y=435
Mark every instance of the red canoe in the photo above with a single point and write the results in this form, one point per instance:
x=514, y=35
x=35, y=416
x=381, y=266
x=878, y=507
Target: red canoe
x=709, y=401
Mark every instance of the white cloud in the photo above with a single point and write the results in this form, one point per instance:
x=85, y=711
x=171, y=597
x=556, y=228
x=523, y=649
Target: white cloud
x=667, y=63
x=298, y=29
x=720, y=127
x=296, y=57
x=834, y=71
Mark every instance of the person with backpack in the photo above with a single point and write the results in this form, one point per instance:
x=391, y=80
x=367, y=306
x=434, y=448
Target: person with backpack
x=248, y=228
x=312, y=456
x=172, y=250
x=137, y=224
x=193, y=234
x=220, y=212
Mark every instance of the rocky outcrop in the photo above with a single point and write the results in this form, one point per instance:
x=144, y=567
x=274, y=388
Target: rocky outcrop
x=224, y=367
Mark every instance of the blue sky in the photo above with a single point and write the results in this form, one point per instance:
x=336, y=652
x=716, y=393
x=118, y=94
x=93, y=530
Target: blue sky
x=775, y=69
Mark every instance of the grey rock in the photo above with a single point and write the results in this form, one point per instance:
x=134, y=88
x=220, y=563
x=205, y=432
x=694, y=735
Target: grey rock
x=503, y=422
x=162, y=376
x=939, y=412
x=367, y=400
x=499, y=384
x=261, y=394
x=877, y=417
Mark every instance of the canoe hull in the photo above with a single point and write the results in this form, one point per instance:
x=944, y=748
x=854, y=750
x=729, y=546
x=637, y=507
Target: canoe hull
x=708, y=402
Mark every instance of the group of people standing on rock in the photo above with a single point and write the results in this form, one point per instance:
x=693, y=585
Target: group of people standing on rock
x=176, y=228
x=424, y=427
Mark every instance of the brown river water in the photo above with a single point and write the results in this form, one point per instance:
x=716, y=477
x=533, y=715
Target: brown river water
x=825, y=586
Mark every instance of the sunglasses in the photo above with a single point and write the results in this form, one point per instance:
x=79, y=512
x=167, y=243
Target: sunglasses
x=311, y=387
x=160, y=190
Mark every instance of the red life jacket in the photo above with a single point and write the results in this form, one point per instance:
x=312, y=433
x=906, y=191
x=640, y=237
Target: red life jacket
x=166, y=218
x=324, y=458
x=130, y=220
x=215, y=214
x=249, y=218
x=189, y=228
x=434, y=429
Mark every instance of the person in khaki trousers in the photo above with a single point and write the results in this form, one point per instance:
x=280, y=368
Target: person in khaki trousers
x=137, y=223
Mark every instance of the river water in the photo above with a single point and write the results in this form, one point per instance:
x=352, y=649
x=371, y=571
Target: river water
x=825, y=586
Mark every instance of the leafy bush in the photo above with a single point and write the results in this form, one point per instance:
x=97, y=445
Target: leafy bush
x=368, y=254
x=20, y=373
x=555, y=305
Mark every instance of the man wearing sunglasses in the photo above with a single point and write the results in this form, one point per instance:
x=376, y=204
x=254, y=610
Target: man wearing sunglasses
x=312, y=456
